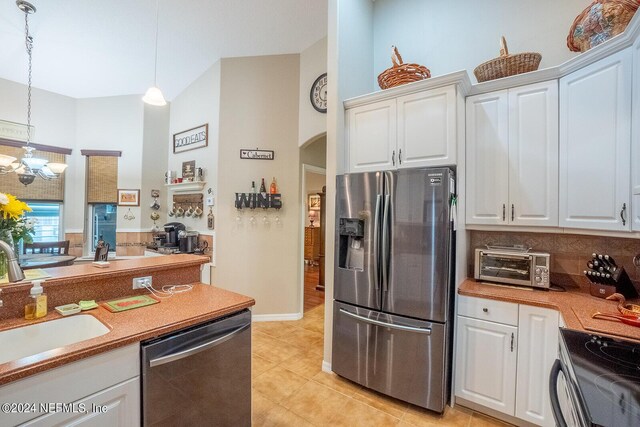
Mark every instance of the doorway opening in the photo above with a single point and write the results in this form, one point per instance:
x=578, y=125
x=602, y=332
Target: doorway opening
x=313, y=191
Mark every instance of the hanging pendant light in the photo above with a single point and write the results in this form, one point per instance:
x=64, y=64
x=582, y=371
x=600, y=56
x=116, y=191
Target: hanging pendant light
x=29, y=167
x=154, y=96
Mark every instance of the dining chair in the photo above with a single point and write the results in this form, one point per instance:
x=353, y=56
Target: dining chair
x=55, y=248
x=102, y=252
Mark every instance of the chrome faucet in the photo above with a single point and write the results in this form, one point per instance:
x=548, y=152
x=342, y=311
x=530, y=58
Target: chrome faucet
x=14, y=271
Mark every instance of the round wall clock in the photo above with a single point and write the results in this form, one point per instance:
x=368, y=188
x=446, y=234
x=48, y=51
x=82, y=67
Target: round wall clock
x=318, y=94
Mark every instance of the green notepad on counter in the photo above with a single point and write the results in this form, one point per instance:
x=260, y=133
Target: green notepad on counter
x=29, y=275
x=129, y=303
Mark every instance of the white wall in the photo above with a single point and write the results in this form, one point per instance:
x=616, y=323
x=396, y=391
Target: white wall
x=54, y=119
x=109, y=123
x=313, y=63
x=448, y=36
x=350, y=53
x=260, y=109
x=154, y=163
x=196, y=105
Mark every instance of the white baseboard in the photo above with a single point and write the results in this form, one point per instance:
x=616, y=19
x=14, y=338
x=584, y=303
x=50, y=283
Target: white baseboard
x=276, y=317
x=326, y=366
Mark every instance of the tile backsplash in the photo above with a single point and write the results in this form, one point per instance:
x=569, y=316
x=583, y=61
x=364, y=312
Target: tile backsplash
x=569, y=252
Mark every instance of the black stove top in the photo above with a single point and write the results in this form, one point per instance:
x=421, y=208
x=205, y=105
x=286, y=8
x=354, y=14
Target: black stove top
x=607, y=372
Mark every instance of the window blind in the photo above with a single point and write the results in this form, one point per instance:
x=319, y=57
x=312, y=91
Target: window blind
x=40, y=189
x=102, y=179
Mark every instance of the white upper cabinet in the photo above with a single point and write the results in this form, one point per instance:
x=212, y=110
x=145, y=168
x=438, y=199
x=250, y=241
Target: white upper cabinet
x=512, y=156
x=427, y=128
x=487, y=158
x=533, y=154
x=408, y=131
x=635, y=138
x=372, y=136
x=595, y=138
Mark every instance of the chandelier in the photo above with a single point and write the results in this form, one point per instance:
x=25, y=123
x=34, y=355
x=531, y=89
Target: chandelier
x=28, y=167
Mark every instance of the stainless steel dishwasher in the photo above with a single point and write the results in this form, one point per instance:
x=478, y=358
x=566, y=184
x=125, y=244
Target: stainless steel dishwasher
x=200, y=375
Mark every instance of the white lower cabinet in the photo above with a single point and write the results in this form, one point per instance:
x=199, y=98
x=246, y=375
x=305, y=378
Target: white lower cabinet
x=486, y=364
x=504, y=354
x=537, y=350
x=102, y=390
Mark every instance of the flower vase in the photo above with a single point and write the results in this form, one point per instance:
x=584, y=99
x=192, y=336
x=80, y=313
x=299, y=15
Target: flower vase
x=6, y=236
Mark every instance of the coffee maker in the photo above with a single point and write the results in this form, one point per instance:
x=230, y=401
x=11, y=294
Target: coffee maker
x=188, y=241
x=172, y=229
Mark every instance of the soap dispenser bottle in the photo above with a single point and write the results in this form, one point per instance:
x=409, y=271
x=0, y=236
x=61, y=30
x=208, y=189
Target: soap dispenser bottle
x=36, y=306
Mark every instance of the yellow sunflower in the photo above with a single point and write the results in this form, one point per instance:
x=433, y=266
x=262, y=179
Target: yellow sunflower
x=14, y=208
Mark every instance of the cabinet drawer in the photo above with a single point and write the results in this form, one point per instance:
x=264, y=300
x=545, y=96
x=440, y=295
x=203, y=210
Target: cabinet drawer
x=486, y=309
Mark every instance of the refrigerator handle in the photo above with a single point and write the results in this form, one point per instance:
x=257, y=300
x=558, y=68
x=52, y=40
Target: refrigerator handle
x=376, y=241
x=407, y=328
x=386, y=243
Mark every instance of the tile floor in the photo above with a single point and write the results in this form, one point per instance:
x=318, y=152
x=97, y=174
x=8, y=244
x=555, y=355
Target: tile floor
x=290, y=389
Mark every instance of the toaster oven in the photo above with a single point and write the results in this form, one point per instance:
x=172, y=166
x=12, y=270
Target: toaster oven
x=513, y=266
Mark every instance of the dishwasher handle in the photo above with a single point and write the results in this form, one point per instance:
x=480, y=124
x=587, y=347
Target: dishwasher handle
x=197, y=349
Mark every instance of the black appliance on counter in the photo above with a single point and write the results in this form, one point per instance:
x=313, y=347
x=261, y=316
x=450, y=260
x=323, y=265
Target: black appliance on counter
x=188, y=241
x=172, y=229
x=595, y=381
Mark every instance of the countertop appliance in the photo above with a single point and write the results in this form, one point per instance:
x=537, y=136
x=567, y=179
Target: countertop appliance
x=393, y=283
x=171, y=232
x=200, y=375
x=595, y=381
x=512, y=265
x=188, y=241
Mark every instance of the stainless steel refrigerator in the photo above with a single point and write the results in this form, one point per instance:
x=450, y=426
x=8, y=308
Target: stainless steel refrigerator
x=392, y=318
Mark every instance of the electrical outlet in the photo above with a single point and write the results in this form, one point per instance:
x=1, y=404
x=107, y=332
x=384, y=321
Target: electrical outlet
x=142, y=282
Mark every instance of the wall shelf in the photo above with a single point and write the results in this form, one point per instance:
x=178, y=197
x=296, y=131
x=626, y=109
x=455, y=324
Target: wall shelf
x=186, y=186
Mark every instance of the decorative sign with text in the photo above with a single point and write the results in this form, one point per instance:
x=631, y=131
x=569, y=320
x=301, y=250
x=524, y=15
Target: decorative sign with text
x=15, y=131
x=191, y=139
x=257, y=154
x=258, y=200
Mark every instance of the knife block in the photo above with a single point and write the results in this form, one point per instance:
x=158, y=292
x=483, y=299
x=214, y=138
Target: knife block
x=620, y=283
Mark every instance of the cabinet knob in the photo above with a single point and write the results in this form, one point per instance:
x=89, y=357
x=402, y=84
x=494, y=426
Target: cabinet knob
x=486, y=310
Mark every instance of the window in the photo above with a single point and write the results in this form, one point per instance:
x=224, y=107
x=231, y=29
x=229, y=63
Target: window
x=48, y=221
x=103, y=224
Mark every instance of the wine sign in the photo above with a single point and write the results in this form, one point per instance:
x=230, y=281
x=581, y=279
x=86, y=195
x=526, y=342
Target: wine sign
x=257, y=154
x=258, y=200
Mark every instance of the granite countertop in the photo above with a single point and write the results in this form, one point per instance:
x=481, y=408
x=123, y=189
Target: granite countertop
x=575, y=306
x=201, y=304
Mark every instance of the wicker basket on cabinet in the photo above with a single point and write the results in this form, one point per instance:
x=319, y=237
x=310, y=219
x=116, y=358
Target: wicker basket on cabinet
x=507, y=65
x=600, y=21
x=401, y=73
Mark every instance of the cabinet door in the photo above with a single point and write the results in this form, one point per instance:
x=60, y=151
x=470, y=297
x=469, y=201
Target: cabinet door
x=117, y=406
x=487, y=158
x=486, y=363
x=595, y=137
x=427, y=128
x=372, y=137
x=635, y=138
x=533, y=155
x=537, y=350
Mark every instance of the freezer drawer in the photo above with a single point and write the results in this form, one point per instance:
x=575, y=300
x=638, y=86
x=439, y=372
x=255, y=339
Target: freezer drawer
x=400, y=357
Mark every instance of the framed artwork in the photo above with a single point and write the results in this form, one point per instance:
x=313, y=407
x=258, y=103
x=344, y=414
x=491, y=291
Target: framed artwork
x=314, y=202
x=190, y=139
x=188, y=170
x=128, y=197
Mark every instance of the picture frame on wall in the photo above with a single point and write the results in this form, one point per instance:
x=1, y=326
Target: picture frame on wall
x=191, y=139
x=188, y=170
x=314, y=202
x=128, y=197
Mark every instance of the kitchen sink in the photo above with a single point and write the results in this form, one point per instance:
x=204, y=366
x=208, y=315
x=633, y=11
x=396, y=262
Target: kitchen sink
x=34, y=339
